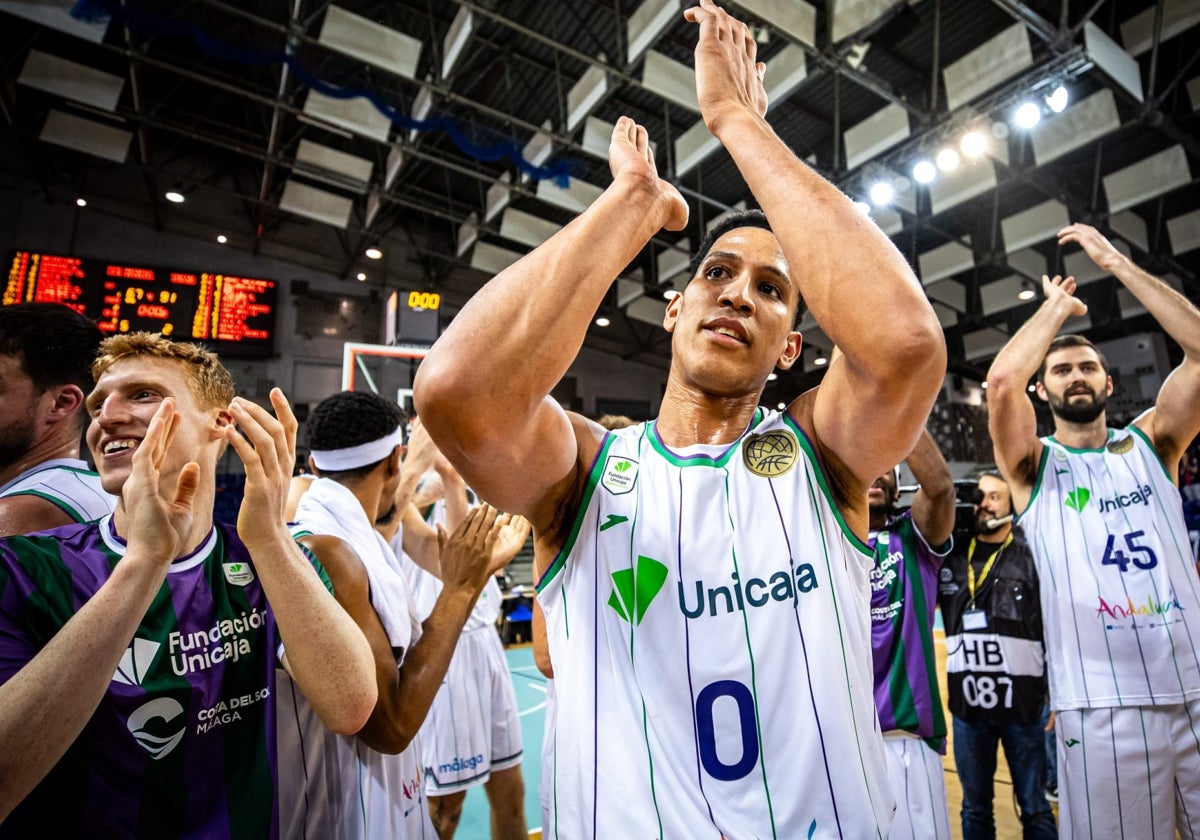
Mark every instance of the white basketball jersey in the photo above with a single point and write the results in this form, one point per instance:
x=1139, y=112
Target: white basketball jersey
x=426, y=587
x=67, y=483
x=710, y=633
x=335, y=786
x=1120, y=594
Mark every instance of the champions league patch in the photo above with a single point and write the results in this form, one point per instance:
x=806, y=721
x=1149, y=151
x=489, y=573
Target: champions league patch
x=1121, y=445
x=620, y=474
x=770, y=454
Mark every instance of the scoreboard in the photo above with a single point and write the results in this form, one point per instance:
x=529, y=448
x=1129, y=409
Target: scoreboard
x=234, y=314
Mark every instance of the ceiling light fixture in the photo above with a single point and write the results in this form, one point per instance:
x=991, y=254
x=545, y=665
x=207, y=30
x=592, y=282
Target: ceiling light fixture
x=947, y=160
x=669, y=294
x=174, y=196
x=362, y=275
x=772, y=376
x=864, y=207
x=924, y=171
x=222, y=238
x=603, y=321
x=973, y=144
x=373, y=253
x=1058, y=99
x=81, y=202
x=820, y=361
x=1027, y=115
x=882, y=193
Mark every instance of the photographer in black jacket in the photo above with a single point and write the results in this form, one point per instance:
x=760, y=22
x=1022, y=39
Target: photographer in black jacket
x=995, y=663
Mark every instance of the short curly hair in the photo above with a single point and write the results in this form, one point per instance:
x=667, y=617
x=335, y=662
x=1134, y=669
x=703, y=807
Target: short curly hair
x=351, y=418
x=211, y=384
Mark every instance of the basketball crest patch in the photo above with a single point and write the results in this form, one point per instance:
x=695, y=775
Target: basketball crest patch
x=771, y=454
x=1120, y=446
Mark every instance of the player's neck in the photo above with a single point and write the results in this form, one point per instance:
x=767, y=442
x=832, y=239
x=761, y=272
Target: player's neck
x=51, y=448
x=879, y=518
x=369, y=492
x=689, y=416
x=1091, y=435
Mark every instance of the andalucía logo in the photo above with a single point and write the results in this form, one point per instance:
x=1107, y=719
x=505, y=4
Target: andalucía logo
x=634, y=589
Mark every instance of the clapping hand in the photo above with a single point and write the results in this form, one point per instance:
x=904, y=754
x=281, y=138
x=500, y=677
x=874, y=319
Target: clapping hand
x=159, y=518
x=268, y=452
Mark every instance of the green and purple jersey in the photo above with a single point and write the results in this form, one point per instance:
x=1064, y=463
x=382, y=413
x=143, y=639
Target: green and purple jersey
x=183, y=742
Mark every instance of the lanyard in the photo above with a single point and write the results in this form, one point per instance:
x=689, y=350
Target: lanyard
x=987, y=567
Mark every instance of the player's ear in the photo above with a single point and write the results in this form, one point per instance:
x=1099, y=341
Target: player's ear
x=791, y=350
x=64, y=400
x=220, y=418
x=671, y=316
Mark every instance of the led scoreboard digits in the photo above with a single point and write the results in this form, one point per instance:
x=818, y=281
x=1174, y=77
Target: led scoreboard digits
x=235, y=314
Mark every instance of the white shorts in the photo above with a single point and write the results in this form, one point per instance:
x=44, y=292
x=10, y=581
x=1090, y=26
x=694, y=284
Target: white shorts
x=1129, y=772
x=473, y=727
x=919, y=785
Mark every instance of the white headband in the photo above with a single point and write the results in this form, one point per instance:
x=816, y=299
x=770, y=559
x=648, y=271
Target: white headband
x=353, y=457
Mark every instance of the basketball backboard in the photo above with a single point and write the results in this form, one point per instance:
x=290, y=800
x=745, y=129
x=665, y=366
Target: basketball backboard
x=382, y=369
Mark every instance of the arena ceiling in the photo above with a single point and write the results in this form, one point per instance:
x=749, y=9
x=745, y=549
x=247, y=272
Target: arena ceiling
x=472, y=130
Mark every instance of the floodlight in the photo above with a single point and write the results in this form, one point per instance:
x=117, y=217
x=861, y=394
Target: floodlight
x=924, y=171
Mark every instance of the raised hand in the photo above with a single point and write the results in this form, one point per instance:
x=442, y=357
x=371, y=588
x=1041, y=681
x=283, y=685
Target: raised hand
x=159, y=518
x=509, y=540
x=467, y=554
x=1062, y=289
x=1102, y=252
x=630, y=155
x=729, y=76
x=268, y=452
x=422, y=452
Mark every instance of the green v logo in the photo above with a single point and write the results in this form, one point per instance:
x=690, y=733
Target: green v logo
x=634, y=589
x=1077, y=498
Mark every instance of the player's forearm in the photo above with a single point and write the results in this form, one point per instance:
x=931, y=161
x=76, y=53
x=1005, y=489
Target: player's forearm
x=456, y=500
x=420, y=542
x=407, y=488
x=1020, y=358
x=517, y=336
x=405, y=702
x=929, y=468
x=1178, y=316
x=933, y=507
x=38, y=719
x=856, y=284
x=327, y=654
